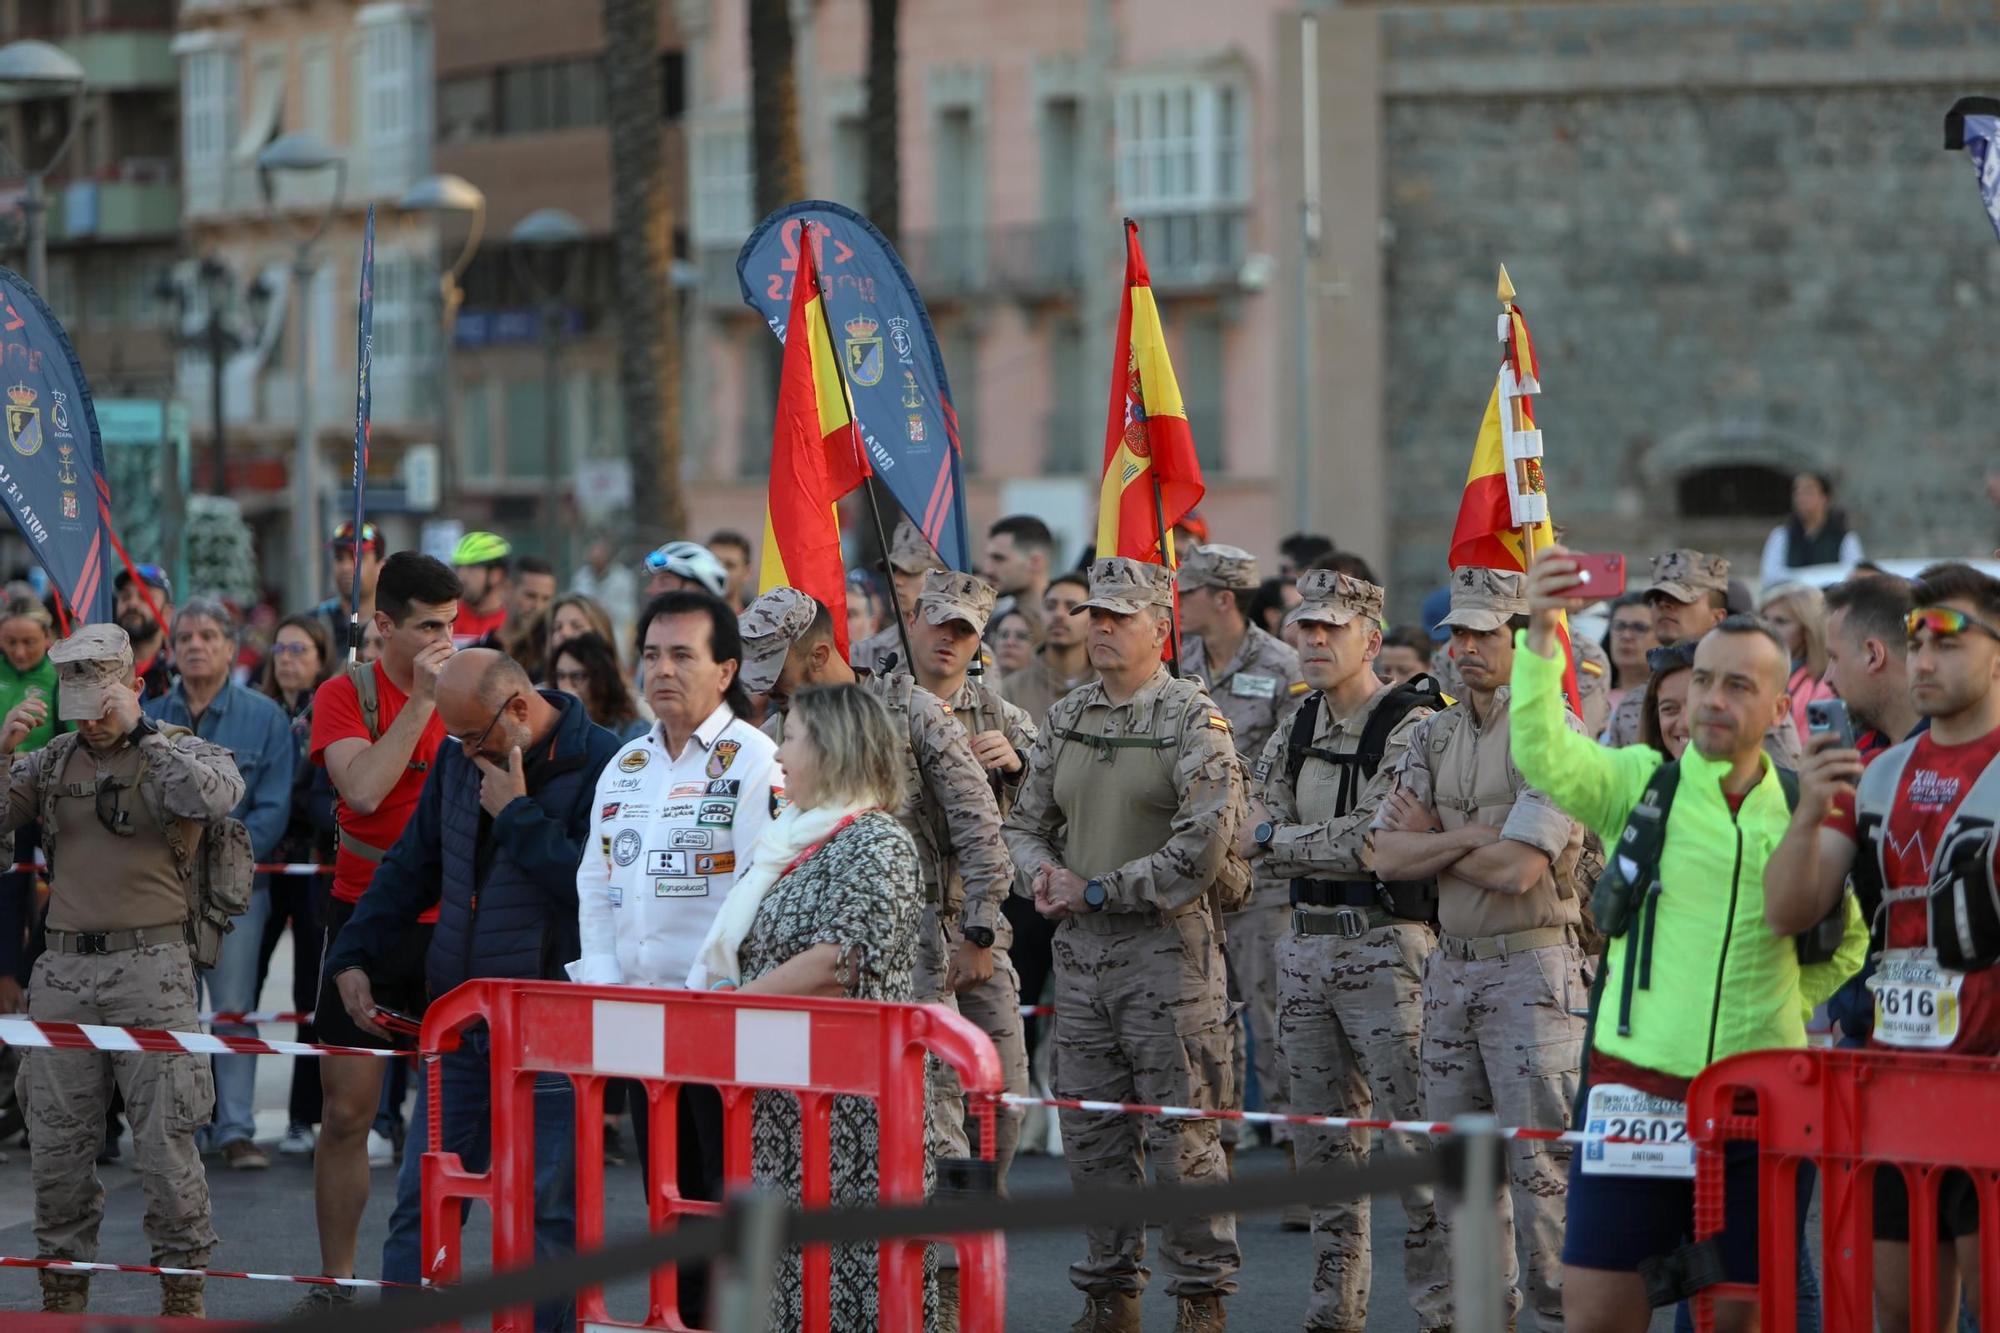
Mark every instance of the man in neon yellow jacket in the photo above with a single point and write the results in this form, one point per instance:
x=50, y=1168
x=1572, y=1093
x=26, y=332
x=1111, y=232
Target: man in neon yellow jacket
x=1697, y=976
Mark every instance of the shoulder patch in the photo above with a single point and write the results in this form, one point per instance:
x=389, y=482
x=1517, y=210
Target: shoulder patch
x=1218, y=721
x=633, y=761
x=1585, y=664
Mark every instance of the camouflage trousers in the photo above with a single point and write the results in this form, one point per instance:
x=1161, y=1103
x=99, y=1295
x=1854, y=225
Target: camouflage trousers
x=65, y=1095
x=995, y=1006
x=1142, y=1015
x=1499, y=1037
x=944, y=1101
x=1251, y=939
x=1350, y=1025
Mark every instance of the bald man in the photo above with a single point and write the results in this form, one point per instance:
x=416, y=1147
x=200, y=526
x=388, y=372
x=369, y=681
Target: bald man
x=501, y=823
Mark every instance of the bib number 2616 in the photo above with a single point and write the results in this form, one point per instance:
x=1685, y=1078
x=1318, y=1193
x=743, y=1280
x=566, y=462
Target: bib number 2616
x=1916, y=1000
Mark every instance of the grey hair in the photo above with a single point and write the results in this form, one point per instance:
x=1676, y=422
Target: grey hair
x=859, y=752
x=208, y=608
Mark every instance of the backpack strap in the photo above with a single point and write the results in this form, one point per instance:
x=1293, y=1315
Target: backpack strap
x=1298, y=745
x=1635, y=867
x=362, y=676
x=1873, y=798
x=1419, y=691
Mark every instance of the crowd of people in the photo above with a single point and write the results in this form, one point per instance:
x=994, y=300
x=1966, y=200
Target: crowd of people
x=1251, y=842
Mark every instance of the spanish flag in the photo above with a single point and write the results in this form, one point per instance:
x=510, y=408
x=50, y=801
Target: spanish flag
x=1148, y=447
x=1505, y=501
x=816, y=458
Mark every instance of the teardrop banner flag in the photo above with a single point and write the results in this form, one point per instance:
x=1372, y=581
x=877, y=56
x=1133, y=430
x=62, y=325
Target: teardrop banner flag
x=52, y=469
x=888, y=352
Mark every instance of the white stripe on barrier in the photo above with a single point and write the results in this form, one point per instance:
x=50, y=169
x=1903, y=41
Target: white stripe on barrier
x=774, y=1047
x=628, y=1038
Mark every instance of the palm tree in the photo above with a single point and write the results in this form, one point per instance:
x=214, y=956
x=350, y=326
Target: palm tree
x=649, y=348
x=774, y=107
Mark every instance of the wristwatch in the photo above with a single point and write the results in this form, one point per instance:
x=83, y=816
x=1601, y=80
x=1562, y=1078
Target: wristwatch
x=1262, y=833
x=979, y=937
x=141, y=729
x=1093, y=895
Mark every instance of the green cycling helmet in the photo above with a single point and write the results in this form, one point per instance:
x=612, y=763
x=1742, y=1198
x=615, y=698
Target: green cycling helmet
x=480, y=548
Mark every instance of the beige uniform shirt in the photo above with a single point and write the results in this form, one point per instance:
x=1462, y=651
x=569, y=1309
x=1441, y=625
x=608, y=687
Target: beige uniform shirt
x=979, y=707
x=1152, y=816
x=1036, y=687
x=1462, y=770
x=1254, y=690
x=104, y=881
x=1320, y=824
x=871, y=652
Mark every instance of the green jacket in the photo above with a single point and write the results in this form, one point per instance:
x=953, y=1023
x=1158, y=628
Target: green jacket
x=1720, y=981
x=14, y=687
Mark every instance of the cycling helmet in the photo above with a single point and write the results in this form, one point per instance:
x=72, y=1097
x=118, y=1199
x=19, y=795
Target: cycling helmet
x=480, y=548
x=691, y=561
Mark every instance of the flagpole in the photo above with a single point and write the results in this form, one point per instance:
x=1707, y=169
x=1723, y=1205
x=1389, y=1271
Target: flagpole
x=363, y=399
x=1517, y=412
x=860, y=453
x=1173, y=593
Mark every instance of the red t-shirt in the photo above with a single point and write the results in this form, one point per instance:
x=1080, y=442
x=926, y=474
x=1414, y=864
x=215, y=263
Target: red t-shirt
x=1935, y=780
x=471, y=627
x=337, y=716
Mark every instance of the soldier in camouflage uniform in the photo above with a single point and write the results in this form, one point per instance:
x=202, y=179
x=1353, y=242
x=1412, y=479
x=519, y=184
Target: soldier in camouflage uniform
x=1062, y=662
x=1125, y=822
x=910, y=558
x=1254, y=680
x=1499, y=1033
x=1689, y=597
x=107, y=795
x=1350, y=970
x=950, y=618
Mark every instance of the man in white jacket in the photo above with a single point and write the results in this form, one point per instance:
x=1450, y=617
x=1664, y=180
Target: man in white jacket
x=678, y=811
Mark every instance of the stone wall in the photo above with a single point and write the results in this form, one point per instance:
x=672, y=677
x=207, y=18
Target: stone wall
x=1738, y=241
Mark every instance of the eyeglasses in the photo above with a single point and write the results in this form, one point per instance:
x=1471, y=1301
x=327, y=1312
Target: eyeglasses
x=572, y=681
x=1944, y=622
x=477, y=743
x=1676, y=658
x=293, y=649
x=1631, y=627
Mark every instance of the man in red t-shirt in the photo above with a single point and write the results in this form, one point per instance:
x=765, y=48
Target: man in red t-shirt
x=378, y=767
x=1954, y=668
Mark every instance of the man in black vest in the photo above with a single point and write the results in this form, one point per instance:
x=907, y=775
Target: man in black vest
x=502, y=822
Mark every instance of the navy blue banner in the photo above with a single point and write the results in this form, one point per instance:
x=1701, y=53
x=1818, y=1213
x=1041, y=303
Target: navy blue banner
x=902, y=399
x=1982, y=145
x=52, y=471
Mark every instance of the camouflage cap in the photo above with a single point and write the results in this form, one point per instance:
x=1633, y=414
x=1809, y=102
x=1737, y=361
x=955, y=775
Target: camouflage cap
x=771, y=625
x=909, y=553
x=1335, y=598
x=90, y=663
x=1485, y=599
x=1218, y=566
x=950, y=595
x=1685, y=575
x=1127, y=586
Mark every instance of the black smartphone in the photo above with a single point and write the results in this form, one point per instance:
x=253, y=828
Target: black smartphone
x=395, y=1020
x=1825, y=716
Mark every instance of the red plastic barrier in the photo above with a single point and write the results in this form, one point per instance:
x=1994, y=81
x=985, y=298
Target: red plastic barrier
x=737, y=1044
x=1851, y=1114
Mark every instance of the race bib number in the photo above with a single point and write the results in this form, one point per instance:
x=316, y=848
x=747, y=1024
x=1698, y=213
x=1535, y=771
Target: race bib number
x=1916, y=1000
x=1656, y=1131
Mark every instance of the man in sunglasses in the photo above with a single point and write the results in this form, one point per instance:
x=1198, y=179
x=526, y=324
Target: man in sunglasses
x=117, y=798
x=1915, y=831
x=493, y=845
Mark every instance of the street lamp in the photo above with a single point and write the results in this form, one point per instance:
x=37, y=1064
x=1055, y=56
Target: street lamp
x=441, y=195
x=217, y=335
x=550, y=232
x=41, y=70
x=299, y=154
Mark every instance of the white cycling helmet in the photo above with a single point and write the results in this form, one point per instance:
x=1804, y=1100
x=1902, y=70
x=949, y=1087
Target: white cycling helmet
x=691, y=561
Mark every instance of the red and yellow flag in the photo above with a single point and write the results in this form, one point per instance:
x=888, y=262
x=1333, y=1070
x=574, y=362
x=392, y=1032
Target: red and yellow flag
x=1147, y=442
x=816, y=458
x=1486, y=535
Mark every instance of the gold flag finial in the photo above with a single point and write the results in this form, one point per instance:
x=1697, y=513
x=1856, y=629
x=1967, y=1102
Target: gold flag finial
x=1506, y=287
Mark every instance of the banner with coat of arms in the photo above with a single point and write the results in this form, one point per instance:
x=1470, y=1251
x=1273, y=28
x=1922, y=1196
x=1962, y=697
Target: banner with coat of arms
x=52, y=476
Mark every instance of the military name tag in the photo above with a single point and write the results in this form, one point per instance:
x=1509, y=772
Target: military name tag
x=1655, y=1130
x=1916, y=1000
x=1253, y=687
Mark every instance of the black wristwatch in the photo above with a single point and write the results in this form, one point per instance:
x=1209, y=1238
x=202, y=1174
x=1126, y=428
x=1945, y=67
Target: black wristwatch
x=979, y=937
x=141, y=729
x=1093, y=895
x=1263, y=832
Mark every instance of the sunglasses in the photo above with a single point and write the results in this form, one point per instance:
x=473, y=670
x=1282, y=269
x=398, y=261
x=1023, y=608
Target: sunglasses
x=1943, y=622
x=477, y=743
x=1680, y=656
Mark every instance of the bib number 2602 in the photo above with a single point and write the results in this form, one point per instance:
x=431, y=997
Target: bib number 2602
x=1644, y=1135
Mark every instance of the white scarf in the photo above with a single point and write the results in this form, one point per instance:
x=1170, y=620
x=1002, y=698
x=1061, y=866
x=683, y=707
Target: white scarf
x=784, y=838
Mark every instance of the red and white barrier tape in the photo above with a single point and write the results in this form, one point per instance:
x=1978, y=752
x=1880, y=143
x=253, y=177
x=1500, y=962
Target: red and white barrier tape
x=262, y=868
x=95, y=1037
x=1426, y=1127
x=253, y=1016
x=80, y=1266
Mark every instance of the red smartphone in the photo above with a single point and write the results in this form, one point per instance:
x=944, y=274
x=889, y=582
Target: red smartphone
x=1597, y=576
x=397, y=1021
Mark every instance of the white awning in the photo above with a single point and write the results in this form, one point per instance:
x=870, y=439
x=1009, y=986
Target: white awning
x=269, y=109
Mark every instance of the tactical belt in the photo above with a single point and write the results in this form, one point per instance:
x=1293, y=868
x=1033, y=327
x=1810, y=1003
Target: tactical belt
x=1350, y=923
x=1336, y=893
x=114, y=941
x=1121, y=923
x=1479, y=948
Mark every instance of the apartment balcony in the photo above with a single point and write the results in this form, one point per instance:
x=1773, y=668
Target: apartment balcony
x=1195, y=250
x=125, y=60
x=115, y=210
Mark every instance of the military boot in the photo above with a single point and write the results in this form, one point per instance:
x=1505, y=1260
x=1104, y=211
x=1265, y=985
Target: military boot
x=1201, y=1314
x=64, y=1293
x=1113, y=1312
x=181, y=1297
